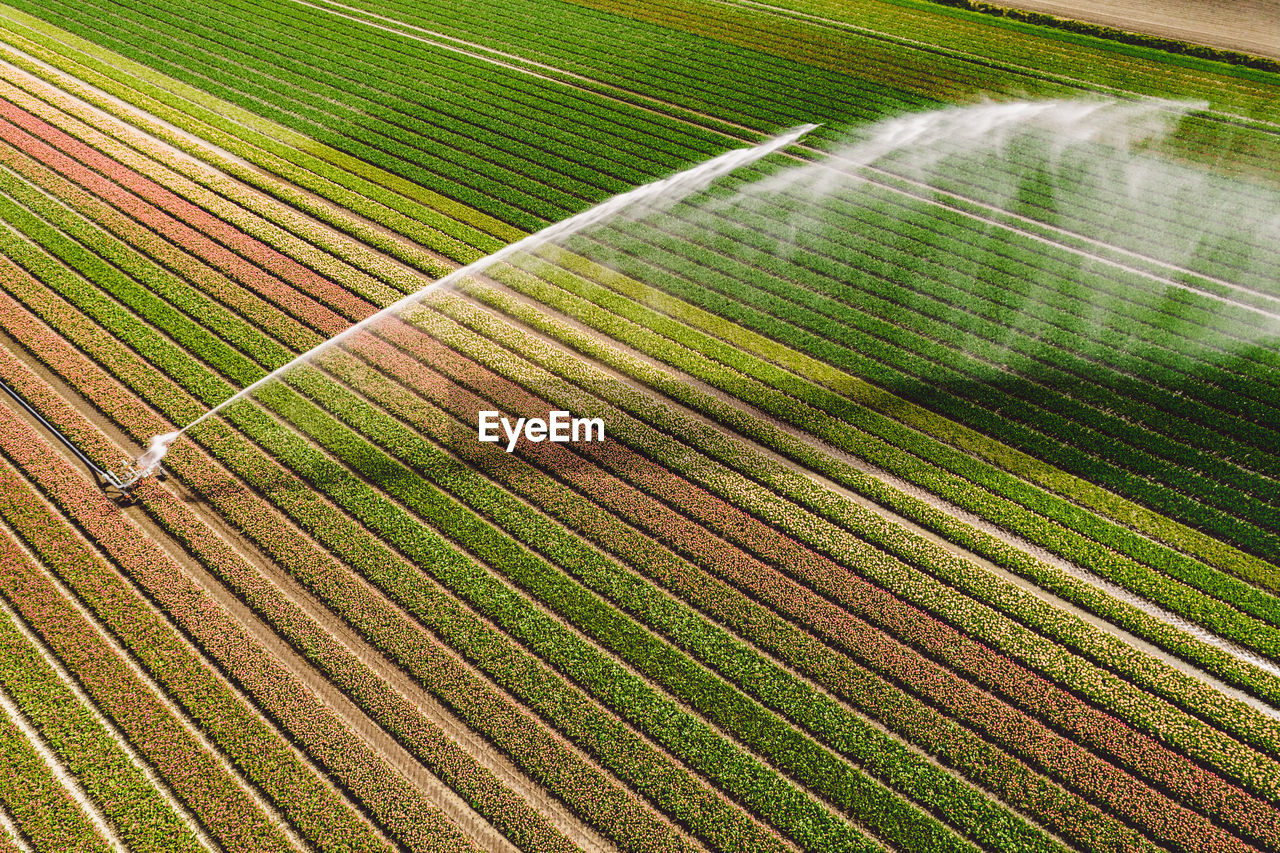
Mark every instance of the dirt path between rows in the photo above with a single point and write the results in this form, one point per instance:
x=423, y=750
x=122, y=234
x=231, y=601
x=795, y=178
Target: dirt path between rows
x=1252, y=26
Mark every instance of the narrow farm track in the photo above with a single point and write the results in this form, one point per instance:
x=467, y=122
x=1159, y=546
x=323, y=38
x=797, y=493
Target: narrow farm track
x=60, y=772
x=117, y=737
x=584, y=474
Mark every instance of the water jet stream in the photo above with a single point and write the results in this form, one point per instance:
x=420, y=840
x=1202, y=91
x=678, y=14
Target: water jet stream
x=651, y=197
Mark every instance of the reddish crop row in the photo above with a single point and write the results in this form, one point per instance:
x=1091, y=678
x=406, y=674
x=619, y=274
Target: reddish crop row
x=298, y=305
x=1022, y=625
x=497, y=803
x=1019, y=786
x=918, y=629
x=39, y=807
x=312, y=805
x=139, y=815
x=254, y=310
x=264, y=257
x=539, y=751
x=281, y=205
x=206, y=787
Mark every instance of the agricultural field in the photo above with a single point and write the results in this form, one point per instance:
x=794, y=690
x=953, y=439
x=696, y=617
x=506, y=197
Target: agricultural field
x=636, y=425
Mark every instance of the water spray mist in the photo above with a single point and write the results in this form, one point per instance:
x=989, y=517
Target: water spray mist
x=656, y=196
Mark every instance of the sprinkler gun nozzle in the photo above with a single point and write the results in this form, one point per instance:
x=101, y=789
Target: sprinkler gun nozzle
x=146, y=465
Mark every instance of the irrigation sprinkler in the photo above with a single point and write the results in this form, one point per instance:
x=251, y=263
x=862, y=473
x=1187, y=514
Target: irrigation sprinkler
x=653, y=196
x=108, y=479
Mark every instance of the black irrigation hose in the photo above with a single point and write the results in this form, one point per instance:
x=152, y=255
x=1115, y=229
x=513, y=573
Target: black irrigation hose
x=106, y=476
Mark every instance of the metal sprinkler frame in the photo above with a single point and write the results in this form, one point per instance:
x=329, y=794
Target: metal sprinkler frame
x=108, y=479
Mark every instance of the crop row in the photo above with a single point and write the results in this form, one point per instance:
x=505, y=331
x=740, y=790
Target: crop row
x=910, y=351
x=360, y=187
x=205, y=786
x=1034, y=276
x=871, y=347
x=296, y=290
x=638, y=143
x=317, y=809
x=247, y=512
x=906, y=341
x=722, y=466
x=739, y=664
x=818, y=411
x=451, y=172
x=284, y=228
x=169, y=273
x=697, y=546
x=41, y=809
x=1010, y=288
x=301, y=239
x=512, y=133
x=259, y=752
x=640, y=703
x=609, y=739
x=560, y=548
x=414, y=821
x=848, y=799
x=293, y=552
x=588, y=42
x=673, y=88
x=1187, y=693
x=136, y=811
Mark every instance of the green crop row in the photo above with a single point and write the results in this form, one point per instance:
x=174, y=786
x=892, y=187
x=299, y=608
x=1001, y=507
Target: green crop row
x=132, y=806
x=941, y=469
x=242, y=329
x=662, y=434
x=479, y=786
x=627, y=754
x=943, y=378
x=632, y=697
x=450, y=171
x=1055, y=581
x=357, y=186
x=633, y=594
x=319, y=811
x=40, y=808
x=738, y=663
x=478, y=703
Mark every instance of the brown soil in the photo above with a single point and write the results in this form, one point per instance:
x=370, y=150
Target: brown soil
x=1252, y=26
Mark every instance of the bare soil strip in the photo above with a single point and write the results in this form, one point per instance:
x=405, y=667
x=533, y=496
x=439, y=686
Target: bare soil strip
x=1252, y=26
x=10, y=837
x=479, y=749
x=268, y=808
x=352, y=717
